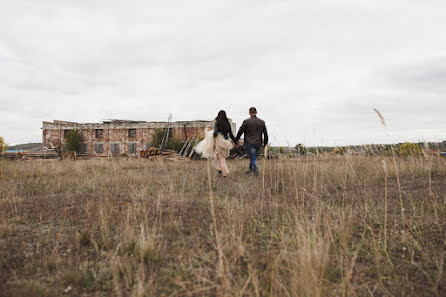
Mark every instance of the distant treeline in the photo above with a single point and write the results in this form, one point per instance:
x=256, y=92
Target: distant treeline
x=25, y=146
x=399, y=148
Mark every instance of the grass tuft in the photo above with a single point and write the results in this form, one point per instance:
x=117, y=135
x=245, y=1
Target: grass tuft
x=312, y=226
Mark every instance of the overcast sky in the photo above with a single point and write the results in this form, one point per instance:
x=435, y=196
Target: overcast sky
x=314, y=69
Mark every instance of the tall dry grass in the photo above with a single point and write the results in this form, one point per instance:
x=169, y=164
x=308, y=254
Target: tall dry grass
x=315, y=226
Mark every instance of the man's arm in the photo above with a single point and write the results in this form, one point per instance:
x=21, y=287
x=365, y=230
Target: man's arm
x=265, y=136
x=241, y=130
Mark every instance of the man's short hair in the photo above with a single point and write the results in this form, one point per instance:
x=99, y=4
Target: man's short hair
x=252, y=110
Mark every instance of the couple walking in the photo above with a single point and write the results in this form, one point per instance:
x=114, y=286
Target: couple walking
x=216, y=146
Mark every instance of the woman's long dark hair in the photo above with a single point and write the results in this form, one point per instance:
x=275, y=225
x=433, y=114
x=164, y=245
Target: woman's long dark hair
x=222, y=119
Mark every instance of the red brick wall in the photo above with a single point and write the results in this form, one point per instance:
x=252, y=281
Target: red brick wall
x=118, y=132
x=121, y=136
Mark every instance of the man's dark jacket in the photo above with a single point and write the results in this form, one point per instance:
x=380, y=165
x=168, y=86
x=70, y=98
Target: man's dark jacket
x=253, y=128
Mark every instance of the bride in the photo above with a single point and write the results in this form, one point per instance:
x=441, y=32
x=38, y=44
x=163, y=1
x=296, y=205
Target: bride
x=216, y=144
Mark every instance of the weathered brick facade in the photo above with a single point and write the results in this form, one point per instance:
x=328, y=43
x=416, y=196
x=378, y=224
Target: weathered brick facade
x=118, y=137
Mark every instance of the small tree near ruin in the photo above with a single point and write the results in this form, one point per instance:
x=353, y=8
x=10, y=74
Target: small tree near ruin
x=73, y=140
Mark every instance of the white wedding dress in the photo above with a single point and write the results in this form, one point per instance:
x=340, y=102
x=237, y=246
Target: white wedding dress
x=214, y=148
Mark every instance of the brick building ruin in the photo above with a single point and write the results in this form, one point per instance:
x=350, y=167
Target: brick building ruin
x=116, y=137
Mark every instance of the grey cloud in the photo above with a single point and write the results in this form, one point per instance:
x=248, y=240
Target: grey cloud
x=314, y=69
x=428, y=77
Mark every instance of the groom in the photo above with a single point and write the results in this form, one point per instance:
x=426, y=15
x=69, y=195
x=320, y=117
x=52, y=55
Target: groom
x=253, y=128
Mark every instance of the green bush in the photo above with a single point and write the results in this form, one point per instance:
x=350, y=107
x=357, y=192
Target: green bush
x=157, y=137
x=73, y=140
x=408, y=149
x=3, y=145
x=301, y=150
x=174, y=144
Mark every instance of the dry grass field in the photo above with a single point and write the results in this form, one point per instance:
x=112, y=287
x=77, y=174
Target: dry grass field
x=327, y=226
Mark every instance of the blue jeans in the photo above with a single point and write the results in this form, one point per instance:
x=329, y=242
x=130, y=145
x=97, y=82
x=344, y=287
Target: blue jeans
x=253, y=150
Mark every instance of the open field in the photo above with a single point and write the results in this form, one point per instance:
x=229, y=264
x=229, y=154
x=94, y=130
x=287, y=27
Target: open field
x=328, y=226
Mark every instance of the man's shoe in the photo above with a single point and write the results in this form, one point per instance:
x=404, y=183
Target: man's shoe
x=248, y=172
x=256, y=173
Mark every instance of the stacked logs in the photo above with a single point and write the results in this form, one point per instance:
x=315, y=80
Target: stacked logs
x=156, y=153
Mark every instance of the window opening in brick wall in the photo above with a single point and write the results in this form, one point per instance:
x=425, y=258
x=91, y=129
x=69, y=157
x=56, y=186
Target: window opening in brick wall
x=99, y=148
x=132, y=133
x=99, y=133
x=114, y=147
x=132, y=148
x=83, y=148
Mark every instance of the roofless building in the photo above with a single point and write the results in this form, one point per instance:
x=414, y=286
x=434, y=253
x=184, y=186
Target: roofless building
x=116, y=137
